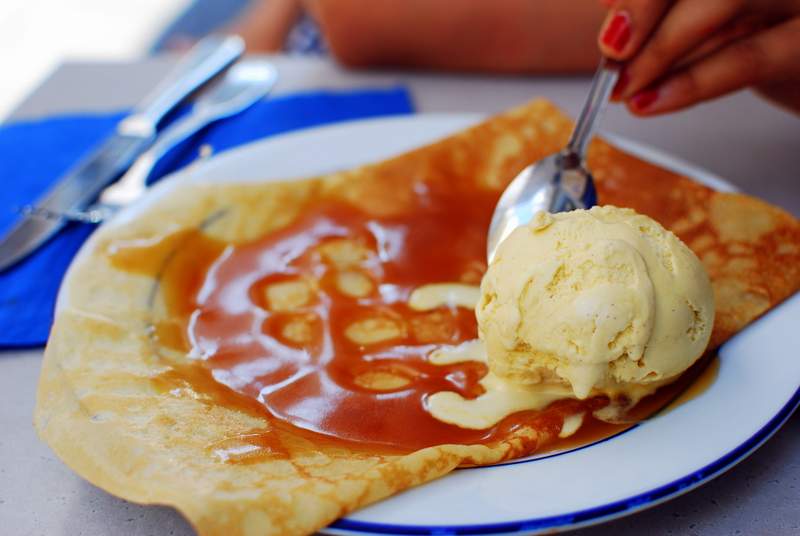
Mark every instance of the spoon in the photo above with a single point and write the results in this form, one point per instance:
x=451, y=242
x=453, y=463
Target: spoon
x=561, y=181
x=244, y=84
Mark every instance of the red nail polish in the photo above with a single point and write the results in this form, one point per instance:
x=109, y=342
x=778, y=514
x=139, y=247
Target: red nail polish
x=644, y=99
x=621, y=84
x=617, y=32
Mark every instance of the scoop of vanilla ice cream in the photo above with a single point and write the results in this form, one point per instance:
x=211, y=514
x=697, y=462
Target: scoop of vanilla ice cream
x=605, y=299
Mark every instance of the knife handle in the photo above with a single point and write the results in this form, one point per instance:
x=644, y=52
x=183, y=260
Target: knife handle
x=204, y=61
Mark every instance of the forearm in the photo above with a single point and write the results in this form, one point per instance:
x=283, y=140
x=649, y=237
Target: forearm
x=497, y=36
x=265, y=24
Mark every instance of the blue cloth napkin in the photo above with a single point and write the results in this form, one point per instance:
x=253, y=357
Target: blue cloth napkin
x=35, y=154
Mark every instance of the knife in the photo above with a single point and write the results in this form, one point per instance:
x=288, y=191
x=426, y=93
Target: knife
x=133, y=135
x=243, y=85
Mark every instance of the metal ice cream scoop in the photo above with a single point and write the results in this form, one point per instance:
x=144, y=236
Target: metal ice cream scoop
x=561, y=181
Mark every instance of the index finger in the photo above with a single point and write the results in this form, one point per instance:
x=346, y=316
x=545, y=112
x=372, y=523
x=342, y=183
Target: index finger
x=628, y=25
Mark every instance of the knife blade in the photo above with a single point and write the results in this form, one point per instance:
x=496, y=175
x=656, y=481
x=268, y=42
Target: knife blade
x=244, y=84
x=133, y=135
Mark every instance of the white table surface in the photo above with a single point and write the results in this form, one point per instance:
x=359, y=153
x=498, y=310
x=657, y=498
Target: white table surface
x=752, y=144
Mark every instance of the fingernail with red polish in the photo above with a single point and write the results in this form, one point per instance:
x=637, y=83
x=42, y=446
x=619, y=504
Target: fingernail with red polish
x=622, y=82
x=617, y=32
x=644, y=99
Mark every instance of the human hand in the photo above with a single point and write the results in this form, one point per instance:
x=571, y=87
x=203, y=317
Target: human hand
x=681, y=52
x=501, y=36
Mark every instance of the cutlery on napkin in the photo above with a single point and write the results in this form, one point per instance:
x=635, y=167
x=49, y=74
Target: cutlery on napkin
x=132, y=136
x=34, y=154
x=243, y=85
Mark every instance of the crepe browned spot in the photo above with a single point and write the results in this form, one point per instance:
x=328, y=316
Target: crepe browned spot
x=145, y=424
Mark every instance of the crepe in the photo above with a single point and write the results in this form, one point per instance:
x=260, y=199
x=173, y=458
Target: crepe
x=143, y=423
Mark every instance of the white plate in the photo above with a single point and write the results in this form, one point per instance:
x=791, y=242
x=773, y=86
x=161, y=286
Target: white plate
x=755, y=392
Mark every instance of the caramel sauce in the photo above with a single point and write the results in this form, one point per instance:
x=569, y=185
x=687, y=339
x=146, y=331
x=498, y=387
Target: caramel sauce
x=171, y=334
x=179, y=261
x=250, y=447
x=200, y=382
x=250, y=353
x=691, y=384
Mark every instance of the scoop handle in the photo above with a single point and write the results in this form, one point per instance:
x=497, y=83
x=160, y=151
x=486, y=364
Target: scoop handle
x=602, y=85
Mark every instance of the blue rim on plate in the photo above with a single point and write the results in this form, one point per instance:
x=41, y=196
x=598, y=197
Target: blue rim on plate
x=593, y=515
x=613, y=510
